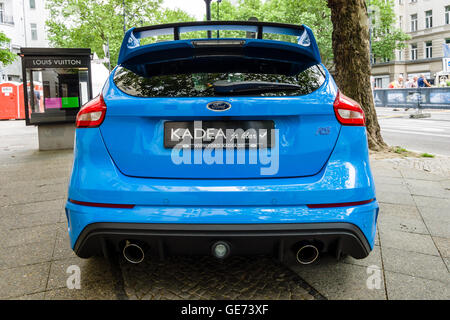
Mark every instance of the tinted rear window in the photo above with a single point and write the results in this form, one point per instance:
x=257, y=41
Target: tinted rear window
x=197, y=78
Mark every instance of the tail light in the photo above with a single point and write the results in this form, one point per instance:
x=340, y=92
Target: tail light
x=348, y=112
x=92, y=114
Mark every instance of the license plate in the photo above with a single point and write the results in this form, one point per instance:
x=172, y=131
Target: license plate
x=218, y=134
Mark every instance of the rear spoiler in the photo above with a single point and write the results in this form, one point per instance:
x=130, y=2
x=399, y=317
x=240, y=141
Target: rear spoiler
x=131, y=47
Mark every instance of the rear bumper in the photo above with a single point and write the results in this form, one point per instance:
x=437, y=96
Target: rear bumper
x=191, y=230
x=276, y=239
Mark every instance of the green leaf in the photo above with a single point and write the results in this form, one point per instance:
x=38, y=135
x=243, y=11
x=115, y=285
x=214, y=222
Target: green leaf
x=386, y=37
x=6, y=56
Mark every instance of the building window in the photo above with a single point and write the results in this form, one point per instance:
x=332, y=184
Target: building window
x=429, y=19
x=428, y=49
x=400, y=2
x=413, y=22
x=414, y=51
x=447, y=15
x=378, y=83
x=400, y=22
x=400, y=55
x=32, y=4
x=412, y=1
x=2, y=12
x=381, y=81
x=34, y=31
x=3, y=17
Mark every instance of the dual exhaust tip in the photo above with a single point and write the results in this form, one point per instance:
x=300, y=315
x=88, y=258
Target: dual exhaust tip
x=134, y=253
x=307, y=253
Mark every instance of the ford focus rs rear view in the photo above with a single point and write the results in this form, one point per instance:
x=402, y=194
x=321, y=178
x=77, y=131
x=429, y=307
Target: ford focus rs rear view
x=232, y=145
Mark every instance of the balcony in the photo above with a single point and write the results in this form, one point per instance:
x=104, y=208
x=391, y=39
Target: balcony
x=6, y=19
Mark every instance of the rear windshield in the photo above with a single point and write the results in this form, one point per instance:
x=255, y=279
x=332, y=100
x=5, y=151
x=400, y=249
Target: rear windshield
x=222, y=78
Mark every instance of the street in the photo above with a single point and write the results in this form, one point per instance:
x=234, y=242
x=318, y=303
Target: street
x=430, y=135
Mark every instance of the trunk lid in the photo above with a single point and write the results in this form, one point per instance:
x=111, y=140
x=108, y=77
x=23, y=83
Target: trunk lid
x=133, y=132
x=187, y=81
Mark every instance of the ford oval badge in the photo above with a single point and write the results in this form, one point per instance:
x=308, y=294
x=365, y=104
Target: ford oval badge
x=218, y=106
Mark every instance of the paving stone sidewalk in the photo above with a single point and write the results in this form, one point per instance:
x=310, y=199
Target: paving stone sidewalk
x=413, y=237
x=412, y=249
x=207, y=278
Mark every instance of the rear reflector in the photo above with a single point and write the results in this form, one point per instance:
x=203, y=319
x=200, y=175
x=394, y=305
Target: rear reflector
x=103, y=205
x=336, y=205
x=348, y=112
x=92, y=114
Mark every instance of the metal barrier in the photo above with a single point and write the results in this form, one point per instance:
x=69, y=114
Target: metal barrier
x=421, y=98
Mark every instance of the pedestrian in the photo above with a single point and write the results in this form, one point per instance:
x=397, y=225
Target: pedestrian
x=397, y=84
x=422, y=82
x=409, y=83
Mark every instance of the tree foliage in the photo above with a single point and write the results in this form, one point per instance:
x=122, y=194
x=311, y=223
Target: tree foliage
x=386, y=37
x=91, y=23
x=6, y=56
x=315, y=14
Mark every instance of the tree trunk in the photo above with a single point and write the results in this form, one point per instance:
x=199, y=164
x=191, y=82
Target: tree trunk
x=351, y=48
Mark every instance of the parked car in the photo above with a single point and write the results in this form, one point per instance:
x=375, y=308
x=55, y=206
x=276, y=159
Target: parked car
x=221, y=146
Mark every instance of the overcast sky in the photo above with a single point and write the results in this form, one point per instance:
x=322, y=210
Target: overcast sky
x=193, y=7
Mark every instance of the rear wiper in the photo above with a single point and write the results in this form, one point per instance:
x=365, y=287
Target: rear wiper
x=224, y=87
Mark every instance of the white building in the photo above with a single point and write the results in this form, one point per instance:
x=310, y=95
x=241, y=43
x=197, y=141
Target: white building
x=428, y=24
x=23, y=21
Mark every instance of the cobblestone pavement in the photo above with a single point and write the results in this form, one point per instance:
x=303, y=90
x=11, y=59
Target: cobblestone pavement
x=412, y=248
x=206, y=278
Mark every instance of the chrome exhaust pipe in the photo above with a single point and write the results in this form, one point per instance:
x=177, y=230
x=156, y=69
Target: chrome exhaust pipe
x=133, y=252
x=307, y=254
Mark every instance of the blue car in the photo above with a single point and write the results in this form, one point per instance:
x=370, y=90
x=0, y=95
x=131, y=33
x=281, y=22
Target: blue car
x=234, y=143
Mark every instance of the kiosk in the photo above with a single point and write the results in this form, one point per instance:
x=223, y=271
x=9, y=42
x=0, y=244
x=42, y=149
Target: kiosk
x=58, y=82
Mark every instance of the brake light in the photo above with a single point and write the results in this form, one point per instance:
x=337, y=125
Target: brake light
x=348, y=112
x=92, y=114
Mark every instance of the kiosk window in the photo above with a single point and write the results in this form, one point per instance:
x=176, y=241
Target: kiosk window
x=56, y=83
x=56, y=92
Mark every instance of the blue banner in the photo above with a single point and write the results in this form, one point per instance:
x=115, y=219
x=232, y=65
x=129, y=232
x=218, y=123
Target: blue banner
x=446, y=49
